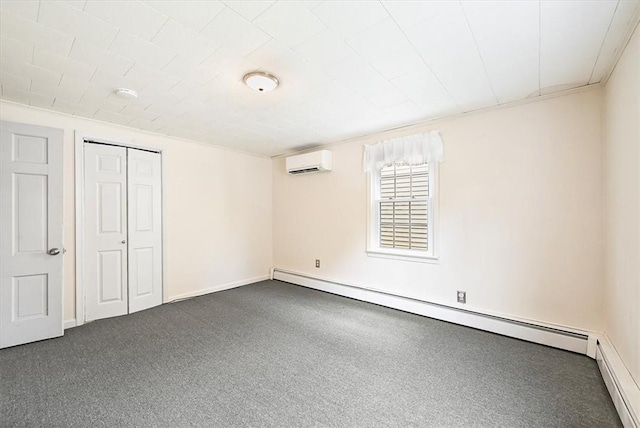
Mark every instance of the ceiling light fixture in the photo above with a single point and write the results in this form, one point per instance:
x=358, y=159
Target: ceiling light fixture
x=126, y=93
x=261, y=81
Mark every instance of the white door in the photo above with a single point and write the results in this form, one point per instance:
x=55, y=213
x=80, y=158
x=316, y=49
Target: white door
x=105, y=257
x=145, y=229
x=30, y=233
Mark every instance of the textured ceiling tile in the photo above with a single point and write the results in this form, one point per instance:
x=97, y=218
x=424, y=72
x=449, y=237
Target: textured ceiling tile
x=16, y=81
x=290, y=23
x=355, y=74
x=274, y=55
x=346, y=68
x=166, y=109
x=380, y=40
x=78, y=4
x=132, y=16
x=112, y=117
x=69, y=82
x=40, y=101
x=192, y=14
x=103, y=59
x=106, y=61
x=147, y=125
x=325, y=48
x=15, y=95
x=25, y=9
x=151, y=77
x=34, y=34
x=184, y=69
x=109, y=81
x=505, y=57
x=448, y=47
x=408, y=13
x=383, y=95
x=14, y=51
x=67, y=19
x=249, y=9
x=426, y=92
x=139, y=50
x=569, y=47
x=406, y=111
x=76, y=109
x=619, y=26
x=42, y=75
x=64, y=106
x=52, y=61
x=348, y=18
x=72, y=95
x=398, y=63
x=230, y=30
x=139, y=113
x=95, y=94
x=191, y=45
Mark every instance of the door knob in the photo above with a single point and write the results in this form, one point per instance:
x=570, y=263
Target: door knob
x=54, y=251
x=124, y=242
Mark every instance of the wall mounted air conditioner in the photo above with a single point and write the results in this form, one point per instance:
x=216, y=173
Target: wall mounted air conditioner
x=309, y=162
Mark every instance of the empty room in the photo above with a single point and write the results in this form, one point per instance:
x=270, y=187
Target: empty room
x=320, y=213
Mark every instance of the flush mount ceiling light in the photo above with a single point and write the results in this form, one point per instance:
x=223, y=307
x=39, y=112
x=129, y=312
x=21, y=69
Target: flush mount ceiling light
x=126, y=93
x=261, y=81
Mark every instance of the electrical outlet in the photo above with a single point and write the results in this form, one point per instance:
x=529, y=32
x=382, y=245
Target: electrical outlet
x=462, y=296
x=317, y=263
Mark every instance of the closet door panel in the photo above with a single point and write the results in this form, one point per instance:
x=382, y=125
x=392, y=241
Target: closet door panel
x=105, y=257
x=145, y=229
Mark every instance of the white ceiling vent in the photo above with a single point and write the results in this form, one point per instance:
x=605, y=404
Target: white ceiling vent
x=309, y=162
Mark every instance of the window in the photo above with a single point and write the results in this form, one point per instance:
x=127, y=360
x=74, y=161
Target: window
x=401, y=221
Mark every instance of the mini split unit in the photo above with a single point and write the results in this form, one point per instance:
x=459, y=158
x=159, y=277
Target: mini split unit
x=309, y=162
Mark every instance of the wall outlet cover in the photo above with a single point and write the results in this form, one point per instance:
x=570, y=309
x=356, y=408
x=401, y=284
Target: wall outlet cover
x=462, y=296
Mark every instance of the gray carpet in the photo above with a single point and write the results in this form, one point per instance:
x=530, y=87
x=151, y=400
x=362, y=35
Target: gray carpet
x=275, y=354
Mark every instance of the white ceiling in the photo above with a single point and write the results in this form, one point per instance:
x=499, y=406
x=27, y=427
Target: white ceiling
x=347, y=68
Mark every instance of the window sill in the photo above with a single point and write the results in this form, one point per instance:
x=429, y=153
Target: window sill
x=405, y=256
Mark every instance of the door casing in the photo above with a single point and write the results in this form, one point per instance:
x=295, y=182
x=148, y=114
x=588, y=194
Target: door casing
x=80, y=138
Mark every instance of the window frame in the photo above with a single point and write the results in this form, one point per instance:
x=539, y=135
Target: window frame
x=373, y=222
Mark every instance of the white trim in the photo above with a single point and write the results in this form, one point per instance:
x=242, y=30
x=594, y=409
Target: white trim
x=592, y=346
x=80, y=138
x=165, y=250
x=216, y=288
x=69, y=323
x=545, y=334
x=383, y=254
x=79, y=205
x=624, y=392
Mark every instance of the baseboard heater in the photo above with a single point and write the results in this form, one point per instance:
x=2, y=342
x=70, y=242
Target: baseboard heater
x=555, y=336
x=623, y=390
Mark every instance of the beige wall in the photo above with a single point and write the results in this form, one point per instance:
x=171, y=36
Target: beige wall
x=520, y=215
x=622, y=206
x=217, y=205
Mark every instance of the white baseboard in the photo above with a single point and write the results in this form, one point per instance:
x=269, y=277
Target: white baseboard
x=550, y=335
x=622, y=388
x=69, y=323
x=215, y=288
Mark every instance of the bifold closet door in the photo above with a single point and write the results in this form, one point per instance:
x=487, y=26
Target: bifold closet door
x=145, y=229
x=123, y=230
x=105, y=239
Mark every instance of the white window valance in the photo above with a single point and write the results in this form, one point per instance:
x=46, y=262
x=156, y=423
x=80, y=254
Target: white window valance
x=412, y=150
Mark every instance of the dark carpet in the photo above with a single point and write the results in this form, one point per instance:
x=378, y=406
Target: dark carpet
x=275, y=354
